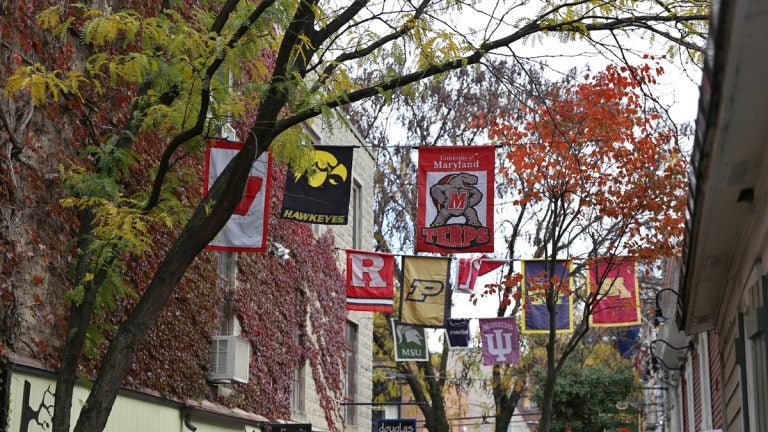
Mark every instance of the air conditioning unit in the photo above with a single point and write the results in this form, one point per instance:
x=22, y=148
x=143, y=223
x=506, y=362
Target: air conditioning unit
x=230, y=358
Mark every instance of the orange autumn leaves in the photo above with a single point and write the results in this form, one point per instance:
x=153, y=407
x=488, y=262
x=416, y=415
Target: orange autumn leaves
x=596, y=148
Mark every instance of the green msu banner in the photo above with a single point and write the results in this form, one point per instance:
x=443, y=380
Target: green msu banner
x=410, y=342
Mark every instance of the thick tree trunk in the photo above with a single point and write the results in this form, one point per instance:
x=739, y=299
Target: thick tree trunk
x=77, y=327
x=199, y=231
x=505, y=402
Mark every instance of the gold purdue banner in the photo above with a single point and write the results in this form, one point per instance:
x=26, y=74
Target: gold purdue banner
x=425, y=296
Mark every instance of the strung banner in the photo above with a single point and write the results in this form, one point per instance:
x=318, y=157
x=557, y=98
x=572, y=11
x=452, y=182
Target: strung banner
x=246, y=229
x=539, y=276
x=614, y=280
x=321, y=196
x=470, y=268
x=425, y=297
x=457, y=331
x=410, y=342
x=626, y=341
x=501, y=342
x=455, y=207
x=370, y=281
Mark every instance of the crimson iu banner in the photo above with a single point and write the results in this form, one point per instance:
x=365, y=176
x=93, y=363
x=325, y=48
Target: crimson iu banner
x=246, y=229
x=501, y=342
x=370, y=281
x=455, y=209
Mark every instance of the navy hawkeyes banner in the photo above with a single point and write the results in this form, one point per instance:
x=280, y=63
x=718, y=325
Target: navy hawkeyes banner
x=321, y=195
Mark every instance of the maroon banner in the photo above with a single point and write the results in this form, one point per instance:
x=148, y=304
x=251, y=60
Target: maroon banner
x=501, y=342
x=370, y=281
x=614, y=281
x=455, y=209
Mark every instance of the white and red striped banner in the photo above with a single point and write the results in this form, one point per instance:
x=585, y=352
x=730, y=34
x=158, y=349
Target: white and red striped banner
x=370, y=281
x=469, y=269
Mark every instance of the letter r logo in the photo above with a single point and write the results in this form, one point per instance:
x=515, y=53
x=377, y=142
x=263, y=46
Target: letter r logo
x=366, y=270
x=421, y=289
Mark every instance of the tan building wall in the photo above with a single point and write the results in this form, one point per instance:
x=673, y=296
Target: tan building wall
x=341, y=133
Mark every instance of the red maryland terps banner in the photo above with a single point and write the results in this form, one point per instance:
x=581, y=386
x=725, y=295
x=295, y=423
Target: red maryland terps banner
x=455, y=211
x=370, y=281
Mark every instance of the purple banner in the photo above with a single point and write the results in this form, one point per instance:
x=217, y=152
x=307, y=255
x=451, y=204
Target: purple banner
x=537, y=277
x=501, y=344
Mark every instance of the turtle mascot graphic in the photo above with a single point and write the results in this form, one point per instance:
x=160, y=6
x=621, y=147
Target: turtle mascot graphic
x=456, y=195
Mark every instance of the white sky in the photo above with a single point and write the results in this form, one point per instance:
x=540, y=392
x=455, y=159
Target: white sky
x=677, y=89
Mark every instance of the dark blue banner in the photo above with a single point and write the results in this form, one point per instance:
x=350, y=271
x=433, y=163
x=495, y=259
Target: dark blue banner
x=626, y=339
x=457, y=330
x=538, y=277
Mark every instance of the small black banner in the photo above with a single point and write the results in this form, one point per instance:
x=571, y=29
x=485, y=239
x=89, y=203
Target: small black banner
x=321, y=196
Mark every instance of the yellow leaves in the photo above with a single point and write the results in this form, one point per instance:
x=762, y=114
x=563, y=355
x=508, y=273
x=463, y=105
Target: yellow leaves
x=51, y=19
x=293, y=147
x=42, y=84
x=108, y=27
x=304, y=43
x=121, y=222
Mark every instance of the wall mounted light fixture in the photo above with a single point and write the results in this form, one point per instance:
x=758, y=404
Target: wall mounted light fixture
x=659, y=318
x=280, y=251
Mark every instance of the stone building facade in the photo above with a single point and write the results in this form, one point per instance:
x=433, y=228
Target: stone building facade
x=27, y=385
x=357, y=234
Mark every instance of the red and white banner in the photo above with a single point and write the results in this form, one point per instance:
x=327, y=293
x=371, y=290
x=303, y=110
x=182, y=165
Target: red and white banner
x=613, y=280
x=455, y=209
x=470, y=268
x=246, y=229
x=370, y=281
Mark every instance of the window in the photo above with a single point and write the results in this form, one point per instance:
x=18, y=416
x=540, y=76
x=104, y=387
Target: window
x=350, y=383
x=355, y=215
x=297, y=381
x=755, y=323
x=297, y=390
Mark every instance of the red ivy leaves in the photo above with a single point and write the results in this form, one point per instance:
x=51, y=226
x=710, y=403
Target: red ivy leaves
x=277, y=300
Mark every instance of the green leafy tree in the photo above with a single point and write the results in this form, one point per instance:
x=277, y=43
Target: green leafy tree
x=586, y=392
x=157, y=76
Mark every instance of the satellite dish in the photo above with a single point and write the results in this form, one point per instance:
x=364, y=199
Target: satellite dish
x=622, y=405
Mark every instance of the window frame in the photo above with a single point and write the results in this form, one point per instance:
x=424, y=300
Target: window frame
x=351, y=337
